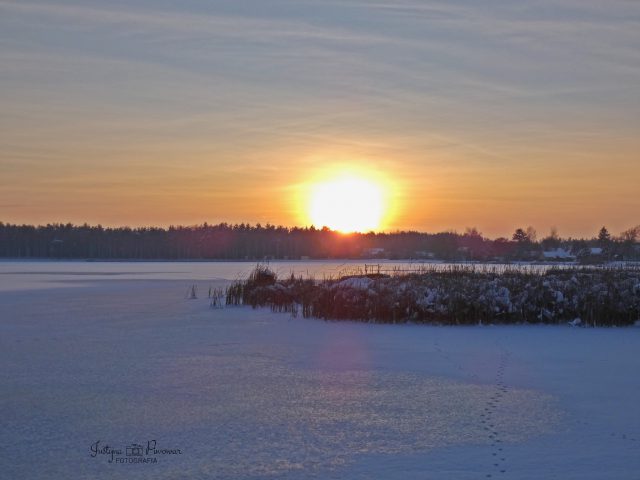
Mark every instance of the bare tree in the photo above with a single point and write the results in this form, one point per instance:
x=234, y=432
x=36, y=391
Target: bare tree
x=631, y=235
x=532, y=234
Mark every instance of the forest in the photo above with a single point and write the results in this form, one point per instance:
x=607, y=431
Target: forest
x=225, y=241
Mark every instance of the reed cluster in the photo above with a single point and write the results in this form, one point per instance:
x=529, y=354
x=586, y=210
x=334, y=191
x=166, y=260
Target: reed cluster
x=463, y=295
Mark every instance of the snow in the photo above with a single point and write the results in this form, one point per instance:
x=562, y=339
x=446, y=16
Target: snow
x=356, y=283
x=119, y=355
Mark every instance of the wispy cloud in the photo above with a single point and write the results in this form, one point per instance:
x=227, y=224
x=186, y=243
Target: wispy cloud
x=434, y=90
x=216, y=24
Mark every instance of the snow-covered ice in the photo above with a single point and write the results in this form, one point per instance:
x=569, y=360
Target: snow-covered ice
x=119, y=355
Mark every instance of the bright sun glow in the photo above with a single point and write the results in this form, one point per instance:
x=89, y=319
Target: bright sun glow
x=347, y=204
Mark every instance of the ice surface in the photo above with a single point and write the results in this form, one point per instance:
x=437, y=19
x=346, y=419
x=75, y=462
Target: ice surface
x=33, y=274
x=120, y=356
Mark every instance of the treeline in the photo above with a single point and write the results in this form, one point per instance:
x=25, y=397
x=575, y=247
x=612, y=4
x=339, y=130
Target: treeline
x=258, y=242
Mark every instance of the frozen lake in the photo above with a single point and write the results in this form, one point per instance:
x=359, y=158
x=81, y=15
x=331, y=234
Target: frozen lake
x=119, y=356
x=21, y=275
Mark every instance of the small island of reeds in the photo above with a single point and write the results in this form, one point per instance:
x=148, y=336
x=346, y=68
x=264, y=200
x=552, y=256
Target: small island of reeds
x=456, y=295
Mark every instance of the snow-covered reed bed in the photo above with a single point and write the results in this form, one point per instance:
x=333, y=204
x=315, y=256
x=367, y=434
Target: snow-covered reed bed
x=465, y=295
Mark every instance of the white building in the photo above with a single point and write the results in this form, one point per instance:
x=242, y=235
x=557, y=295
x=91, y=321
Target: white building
x=558, y=254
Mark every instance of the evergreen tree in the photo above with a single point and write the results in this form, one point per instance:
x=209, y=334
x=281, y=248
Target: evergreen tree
x=604, y=237
x=520, y=236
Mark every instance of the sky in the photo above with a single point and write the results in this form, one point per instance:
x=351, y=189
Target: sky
x=494, y=114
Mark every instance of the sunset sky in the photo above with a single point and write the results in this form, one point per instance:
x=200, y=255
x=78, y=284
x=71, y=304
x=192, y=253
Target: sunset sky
x=494, y=114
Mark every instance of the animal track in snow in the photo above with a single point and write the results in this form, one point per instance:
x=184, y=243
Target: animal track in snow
x=489, y=422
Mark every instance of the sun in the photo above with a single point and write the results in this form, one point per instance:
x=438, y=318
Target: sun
x=348, y=204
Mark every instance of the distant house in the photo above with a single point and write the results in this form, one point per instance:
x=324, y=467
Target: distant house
x=375, y=252
x=591, y=255
x=424, y=254
x=559, y=254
